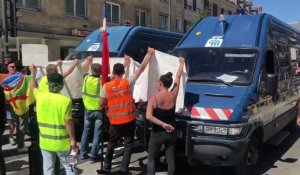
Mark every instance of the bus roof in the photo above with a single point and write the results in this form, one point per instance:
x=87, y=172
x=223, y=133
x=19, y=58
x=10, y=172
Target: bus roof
x=93, y=42
x=238, y=31
x=117, y=36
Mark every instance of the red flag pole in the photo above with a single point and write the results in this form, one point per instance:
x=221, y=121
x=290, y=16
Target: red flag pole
x=105, y=54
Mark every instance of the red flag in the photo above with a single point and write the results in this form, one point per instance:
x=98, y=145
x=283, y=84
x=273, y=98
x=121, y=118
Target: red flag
x=105, y=54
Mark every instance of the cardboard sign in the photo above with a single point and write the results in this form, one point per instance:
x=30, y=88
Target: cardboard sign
x=36, y=54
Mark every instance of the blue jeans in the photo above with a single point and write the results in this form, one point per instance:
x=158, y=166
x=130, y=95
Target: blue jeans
x=91, y=119
x=49, y=159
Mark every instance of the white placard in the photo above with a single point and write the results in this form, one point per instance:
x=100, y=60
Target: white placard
x=227, y=78
x=215, y=41
x=36, y=54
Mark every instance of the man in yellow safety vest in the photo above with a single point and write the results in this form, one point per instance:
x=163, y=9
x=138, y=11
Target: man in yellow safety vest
x=55, y=123
x=52, y=68
x=91, y=90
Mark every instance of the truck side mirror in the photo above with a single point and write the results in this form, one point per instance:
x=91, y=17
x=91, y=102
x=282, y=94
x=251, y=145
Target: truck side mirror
x=271, y=85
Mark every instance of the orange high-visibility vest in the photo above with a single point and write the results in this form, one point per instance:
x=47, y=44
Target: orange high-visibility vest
x=120, y=104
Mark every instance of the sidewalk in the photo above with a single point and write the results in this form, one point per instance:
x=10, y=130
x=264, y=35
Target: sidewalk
x=17, y=163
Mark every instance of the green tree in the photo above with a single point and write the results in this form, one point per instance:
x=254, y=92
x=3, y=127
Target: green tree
x=202, y=13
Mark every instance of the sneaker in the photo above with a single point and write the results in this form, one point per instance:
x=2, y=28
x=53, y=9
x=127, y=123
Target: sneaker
x=95, y=158
x=104, y=172
x=12, y=141
x=82, y=157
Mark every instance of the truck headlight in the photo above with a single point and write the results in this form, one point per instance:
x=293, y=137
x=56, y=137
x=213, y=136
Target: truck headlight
x=235, y=131
x=215, y=130
x=198, y=128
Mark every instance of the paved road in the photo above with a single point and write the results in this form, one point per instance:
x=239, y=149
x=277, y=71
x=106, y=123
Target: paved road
x=280, y=160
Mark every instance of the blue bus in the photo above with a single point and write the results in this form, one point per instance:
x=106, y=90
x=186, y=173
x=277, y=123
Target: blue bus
x=241, y=91
x=134, y=41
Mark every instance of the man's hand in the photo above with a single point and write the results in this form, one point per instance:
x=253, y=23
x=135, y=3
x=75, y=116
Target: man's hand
x=58, y=62
x=89, y=59
x=74, y=144
x=126, y=60
x=75, y=61
x=181, y=60
x=32, y=69
x=150, y=50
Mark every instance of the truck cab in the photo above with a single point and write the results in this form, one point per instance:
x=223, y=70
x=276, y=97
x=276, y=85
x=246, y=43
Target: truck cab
x=241, y=90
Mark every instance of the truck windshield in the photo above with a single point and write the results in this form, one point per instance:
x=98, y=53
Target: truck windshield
x=82, y=55
x=226, y=66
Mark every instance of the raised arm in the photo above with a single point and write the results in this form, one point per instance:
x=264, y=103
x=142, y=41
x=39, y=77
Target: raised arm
x=178, y=76
x=70, y=68
x=126, y=61
x=32, y=79
x=153, y=119
x=87, y=64
x=144, y=63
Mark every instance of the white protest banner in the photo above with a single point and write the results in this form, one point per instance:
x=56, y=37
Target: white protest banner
x=74, y=81
x=162, y=63
x=36, y=54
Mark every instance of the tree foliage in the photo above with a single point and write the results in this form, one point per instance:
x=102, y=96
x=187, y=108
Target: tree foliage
x=202, y=13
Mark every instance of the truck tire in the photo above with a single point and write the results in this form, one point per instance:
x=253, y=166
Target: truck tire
x=247, y=165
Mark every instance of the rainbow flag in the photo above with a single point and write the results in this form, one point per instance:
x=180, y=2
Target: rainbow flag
x=18, y=92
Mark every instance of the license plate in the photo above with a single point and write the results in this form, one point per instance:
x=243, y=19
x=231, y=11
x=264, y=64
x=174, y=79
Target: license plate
x=180, y=134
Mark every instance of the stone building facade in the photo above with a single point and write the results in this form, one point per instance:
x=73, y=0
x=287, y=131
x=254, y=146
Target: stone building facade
x=61, y=24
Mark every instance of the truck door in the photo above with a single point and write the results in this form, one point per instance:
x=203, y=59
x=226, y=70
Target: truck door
x=266, y=103
x=284, y=101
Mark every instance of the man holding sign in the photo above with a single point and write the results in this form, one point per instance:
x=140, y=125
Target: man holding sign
x=120, y=110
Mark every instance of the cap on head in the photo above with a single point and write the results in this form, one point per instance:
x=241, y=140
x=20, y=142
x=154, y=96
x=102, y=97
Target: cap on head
x=55, y=78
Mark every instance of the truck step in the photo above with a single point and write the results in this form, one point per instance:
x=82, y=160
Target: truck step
x=277, y=139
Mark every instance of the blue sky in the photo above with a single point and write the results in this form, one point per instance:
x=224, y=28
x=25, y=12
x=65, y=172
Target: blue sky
x=286, y=10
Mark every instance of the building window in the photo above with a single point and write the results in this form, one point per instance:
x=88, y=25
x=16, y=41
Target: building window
x=189, y=4
x=113, y=12
x=222, y=11
x=33, y=4
x=140, y=18
x=178, y=25
x=164, y=22
x=76, y=8
x=187, y=25
x=215, y=10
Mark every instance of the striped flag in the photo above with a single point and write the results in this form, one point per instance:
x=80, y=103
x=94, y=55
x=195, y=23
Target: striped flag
x=105, y=50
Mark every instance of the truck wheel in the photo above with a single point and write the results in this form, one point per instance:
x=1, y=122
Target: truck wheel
x=246, y=166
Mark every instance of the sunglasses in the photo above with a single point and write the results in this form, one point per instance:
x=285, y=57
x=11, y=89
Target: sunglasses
x=12, y=67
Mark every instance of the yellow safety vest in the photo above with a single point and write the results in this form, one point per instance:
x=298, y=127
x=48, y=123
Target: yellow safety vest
x=91, y=90
x=52, y=111
x=43, y=85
